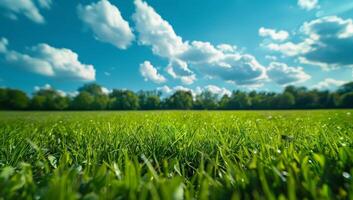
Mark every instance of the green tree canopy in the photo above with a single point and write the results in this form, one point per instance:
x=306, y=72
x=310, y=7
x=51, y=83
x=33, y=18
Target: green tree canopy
x=180, y=100
x=124, y=100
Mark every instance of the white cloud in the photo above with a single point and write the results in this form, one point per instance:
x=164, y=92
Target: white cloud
x=44, y=87
x=217, y=90
x=150, y=73
x=3, y=45
x=50, y=61
x=156, y=32
x=290, y=48
x=179, y=70
x=201, y=52
x=308, y=4
x=106, y=91
x=45, y=3
x=27, y=8
x=329, y=84
x=274, y=34
x=226, y=48
x=167, y=91
x=107, y=24
x=328, y=43
x=188, y=59
x=283, y=74
x=331, y=26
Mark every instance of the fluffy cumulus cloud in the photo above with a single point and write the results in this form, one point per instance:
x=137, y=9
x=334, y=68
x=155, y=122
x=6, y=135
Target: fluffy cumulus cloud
x=150, y=73
x=280, y=35
x=156, y=32
x=28, y=8
x=107, y=24
x=308, y=4
x=179, y=70
x=283, y=74
x=329, y=84
x=220, y=91
x=190, y=58
x=290, y=48
x=49, y=61
x=328, y=43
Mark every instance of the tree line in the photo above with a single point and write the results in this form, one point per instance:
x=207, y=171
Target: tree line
x=92, y=97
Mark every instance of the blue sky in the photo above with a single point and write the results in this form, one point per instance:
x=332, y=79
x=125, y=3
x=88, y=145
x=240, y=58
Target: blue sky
x=176, y=44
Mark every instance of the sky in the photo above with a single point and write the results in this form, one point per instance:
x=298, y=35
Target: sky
x=170, y=45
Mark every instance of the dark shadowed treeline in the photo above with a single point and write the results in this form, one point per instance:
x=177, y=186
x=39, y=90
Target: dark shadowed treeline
x=92, y=97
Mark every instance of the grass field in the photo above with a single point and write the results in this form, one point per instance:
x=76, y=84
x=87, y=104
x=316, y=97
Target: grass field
x=177, y=155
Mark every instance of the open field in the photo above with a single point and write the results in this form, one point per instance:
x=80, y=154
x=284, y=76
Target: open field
x=177, y=155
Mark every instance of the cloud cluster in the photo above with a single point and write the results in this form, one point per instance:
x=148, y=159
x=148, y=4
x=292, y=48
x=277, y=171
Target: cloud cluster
x=219, y=91
x=308, y=4
x=150, y=73
x=186, y=58
x=107, y=24
x=179, y=70
x=283, y=74
x=280, y=35
x=49, y=61
x=328, y=43
x=28, y=8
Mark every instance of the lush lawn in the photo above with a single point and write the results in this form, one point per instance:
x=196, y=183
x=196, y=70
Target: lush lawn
x=177, y=154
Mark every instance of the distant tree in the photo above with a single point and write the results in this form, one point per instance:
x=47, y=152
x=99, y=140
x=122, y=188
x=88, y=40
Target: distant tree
x=124, y=100
x=149, y=100
x=15, y=100
x=261, y=100
x=101, y=102
x=38, y=102
x=92, y=97
x=284, y=101
x=306, y=100
x=206, y=101
x=346, y=88
x=291, y=89
x=224, y=102
x=83, y=101
x=92, y=88
x=153, y=102
x=180, y=100
x=239, y=100
x=333, y=100
x=49, y=99
x=3, y=98
x=347, y=100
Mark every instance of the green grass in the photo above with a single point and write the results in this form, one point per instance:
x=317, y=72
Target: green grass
x=177, y=155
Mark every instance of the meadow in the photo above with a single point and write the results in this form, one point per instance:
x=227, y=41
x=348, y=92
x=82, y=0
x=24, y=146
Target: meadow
x=177, y=155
